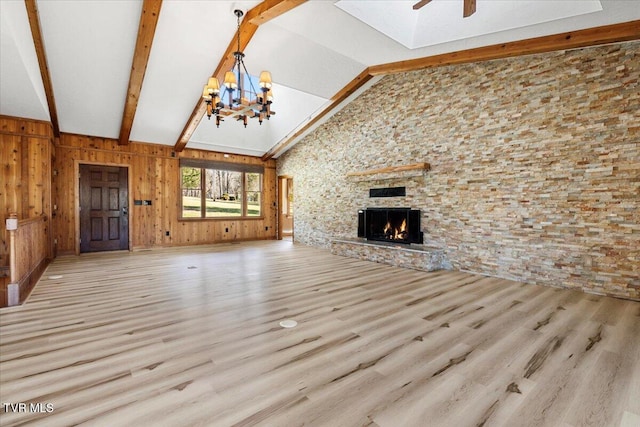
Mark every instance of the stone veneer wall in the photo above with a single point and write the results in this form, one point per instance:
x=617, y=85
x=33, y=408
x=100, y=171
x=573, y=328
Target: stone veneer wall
x=535, y=166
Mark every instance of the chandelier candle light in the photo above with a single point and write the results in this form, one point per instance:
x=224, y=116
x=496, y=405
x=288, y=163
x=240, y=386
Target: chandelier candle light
x=242, y=102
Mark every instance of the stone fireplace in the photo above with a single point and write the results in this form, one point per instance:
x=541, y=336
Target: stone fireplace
x=383, y=228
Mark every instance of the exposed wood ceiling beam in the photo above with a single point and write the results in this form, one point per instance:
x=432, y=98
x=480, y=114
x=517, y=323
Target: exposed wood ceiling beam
x=36, y=33
x=570, y=40
x=269, y=9
x=420, y=4
x=260, y=14
x=582, y=38
x=469, y=8
x=344, y=93
x=146, y=31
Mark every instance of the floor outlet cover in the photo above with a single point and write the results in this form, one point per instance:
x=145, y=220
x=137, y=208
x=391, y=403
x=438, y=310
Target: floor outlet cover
x=288, y=323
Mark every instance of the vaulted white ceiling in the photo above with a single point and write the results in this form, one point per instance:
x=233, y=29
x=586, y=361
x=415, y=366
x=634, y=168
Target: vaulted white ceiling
x=312, y=51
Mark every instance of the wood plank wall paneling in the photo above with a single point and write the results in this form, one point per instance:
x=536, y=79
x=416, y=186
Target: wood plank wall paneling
x=10, y=197
x=32, y=252
x=26, y=149
x=27, y=127
x=4, y=281
x=39, y=173
x=154, y=175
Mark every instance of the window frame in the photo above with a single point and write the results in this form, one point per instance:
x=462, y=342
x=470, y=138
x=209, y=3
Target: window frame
x=203, y=165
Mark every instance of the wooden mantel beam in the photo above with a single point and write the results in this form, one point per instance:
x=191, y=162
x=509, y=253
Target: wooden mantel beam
x=146, y=31
x=36, y=33
x=260, y=14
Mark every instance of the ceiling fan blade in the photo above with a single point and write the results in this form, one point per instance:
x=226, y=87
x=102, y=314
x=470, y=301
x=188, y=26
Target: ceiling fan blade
x=469, y=8
x=420, y=4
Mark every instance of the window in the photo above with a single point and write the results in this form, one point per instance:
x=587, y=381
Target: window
x=191, y=192
x=254, y=193
x=220, y=190
x=223, y=193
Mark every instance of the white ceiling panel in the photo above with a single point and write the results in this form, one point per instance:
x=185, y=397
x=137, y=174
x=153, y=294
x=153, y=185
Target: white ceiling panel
x=21, y=89
x=363, y=43
x=396, y=20
x=191, y=38
x=362, y=89
x=441, y=21
x=299, y=62
x=348, y=36
x=90, y=47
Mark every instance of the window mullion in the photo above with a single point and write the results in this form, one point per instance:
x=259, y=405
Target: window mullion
x=261, y=194
x=203, y=199
x=244, y=194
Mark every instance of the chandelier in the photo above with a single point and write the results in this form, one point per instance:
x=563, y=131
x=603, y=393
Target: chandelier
x=243, y=100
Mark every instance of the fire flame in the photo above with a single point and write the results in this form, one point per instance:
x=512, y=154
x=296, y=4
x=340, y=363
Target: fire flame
x=396, y=233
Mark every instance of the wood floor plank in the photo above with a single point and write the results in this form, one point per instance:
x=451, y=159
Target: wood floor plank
x=191, y=336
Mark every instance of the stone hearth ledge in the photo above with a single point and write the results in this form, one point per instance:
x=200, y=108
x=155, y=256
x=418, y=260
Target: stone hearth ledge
x=417, y=257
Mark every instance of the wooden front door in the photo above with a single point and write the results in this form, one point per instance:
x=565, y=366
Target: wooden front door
x=104, y=216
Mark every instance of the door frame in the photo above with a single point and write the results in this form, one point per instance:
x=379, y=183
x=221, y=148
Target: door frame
x=279, y=192
x=76, y=197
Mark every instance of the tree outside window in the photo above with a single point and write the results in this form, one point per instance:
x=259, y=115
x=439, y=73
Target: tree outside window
x=254, y=194
x=191, y=192
x=220, y=193
x=223, y=193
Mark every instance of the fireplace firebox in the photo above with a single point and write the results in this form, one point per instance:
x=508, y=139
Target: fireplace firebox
x=398, y=225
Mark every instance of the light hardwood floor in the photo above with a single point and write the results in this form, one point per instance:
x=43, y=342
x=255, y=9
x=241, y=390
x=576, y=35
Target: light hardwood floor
x=190, y=337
